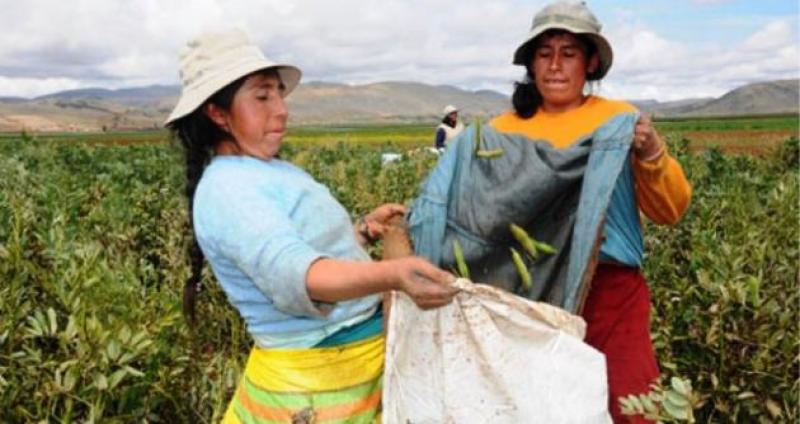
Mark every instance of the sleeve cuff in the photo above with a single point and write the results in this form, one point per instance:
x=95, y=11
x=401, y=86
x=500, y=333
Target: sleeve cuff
x=290, y=294
x=653, y=168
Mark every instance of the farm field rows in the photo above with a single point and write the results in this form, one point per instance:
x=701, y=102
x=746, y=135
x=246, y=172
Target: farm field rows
x=748, y=134
x=93, y=238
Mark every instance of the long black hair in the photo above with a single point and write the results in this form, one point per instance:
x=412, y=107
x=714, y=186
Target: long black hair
x=527, y=98
x=199, y=135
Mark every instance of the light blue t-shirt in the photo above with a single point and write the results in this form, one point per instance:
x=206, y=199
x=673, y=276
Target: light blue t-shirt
x=261, y=224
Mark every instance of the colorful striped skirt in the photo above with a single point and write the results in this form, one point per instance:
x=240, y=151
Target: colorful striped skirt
x=340, y=384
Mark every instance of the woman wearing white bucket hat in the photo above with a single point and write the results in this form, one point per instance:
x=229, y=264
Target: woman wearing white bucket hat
x=282, y=248
x=450, y=127
x=562, y=51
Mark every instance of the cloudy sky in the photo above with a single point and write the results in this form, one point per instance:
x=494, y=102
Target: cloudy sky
x=664, y=49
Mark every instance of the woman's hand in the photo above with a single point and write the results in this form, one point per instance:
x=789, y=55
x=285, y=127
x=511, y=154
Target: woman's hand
x=647, y=144
x=332, y=280
x=374, y=225
x=428, y=286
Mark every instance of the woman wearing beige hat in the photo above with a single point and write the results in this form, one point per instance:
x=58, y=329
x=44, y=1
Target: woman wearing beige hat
x=282, y=248
x=450, y=127
x=563, y=51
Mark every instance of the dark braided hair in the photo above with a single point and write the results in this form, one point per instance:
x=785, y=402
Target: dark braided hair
x=527, y=98
x=199, y=135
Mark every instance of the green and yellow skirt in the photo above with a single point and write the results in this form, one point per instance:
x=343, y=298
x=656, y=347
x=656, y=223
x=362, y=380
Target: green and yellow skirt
x=337, y=384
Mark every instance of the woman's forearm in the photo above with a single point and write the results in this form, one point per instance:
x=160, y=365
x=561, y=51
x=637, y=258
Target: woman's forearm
x=330, y=280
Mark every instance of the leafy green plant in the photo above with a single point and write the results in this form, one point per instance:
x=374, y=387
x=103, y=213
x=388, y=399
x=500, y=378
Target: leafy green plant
x=93, y=241
x=675, y=403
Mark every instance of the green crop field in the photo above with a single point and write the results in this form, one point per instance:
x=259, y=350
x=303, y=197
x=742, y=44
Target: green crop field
x=736, y=134
x=770, y=122
x=93, y=240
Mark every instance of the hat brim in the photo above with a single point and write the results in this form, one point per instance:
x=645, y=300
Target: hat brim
x=524, y=53
x=193, y=97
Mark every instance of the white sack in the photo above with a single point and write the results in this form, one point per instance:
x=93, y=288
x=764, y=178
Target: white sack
x=490, y=357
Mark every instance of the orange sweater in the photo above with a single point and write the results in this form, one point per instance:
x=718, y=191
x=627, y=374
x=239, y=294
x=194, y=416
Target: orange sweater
x=662, y=191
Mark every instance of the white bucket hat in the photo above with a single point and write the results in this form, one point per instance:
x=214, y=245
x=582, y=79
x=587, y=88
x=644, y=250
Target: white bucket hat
x=214, y=60
x=574, y=17
x=449, y=109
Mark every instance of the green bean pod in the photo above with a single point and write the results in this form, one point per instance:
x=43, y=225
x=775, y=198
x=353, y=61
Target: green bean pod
x=524, y=240
x=521, y=269
x=463, y=271
x=545, y=248
x=489, y=154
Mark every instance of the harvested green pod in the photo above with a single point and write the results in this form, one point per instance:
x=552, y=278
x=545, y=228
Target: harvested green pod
x=521, y=269
x=463, y=271
x=477, y=135
x=524, y=240
x=489, y=154
x=545, y=248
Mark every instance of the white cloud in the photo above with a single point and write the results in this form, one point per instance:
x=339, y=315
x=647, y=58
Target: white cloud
x=648, y=65
x=775, y=35
x=32, y=87
x=462, y=43
x=50, y=44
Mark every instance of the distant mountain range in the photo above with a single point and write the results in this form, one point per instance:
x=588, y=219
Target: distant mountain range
x=771, y=97
x=320, y=103
x=759, y=98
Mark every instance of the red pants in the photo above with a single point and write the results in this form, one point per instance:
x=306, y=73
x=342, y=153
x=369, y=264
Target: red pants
x=617, y=314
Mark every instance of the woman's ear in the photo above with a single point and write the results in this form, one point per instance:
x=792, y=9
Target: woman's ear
x=217, y=115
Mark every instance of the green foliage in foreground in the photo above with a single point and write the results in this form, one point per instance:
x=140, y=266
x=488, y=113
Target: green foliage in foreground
x=725, y=286
x=92, y=263
x=663, y=404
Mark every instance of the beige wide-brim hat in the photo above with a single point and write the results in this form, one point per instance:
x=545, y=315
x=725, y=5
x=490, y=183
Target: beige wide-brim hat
x=214, y=60
x=574, y=17
x=449, y=109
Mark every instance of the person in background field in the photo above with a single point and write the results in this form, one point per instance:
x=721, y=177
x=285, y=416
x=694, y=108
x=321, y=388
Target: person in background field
x=450, y=127
x=283, y=249
x=563, y=50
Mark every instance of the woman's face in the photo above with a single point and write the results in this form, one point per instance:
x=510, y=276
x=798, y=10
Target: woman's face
x=257, y=117
x=559, y=67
